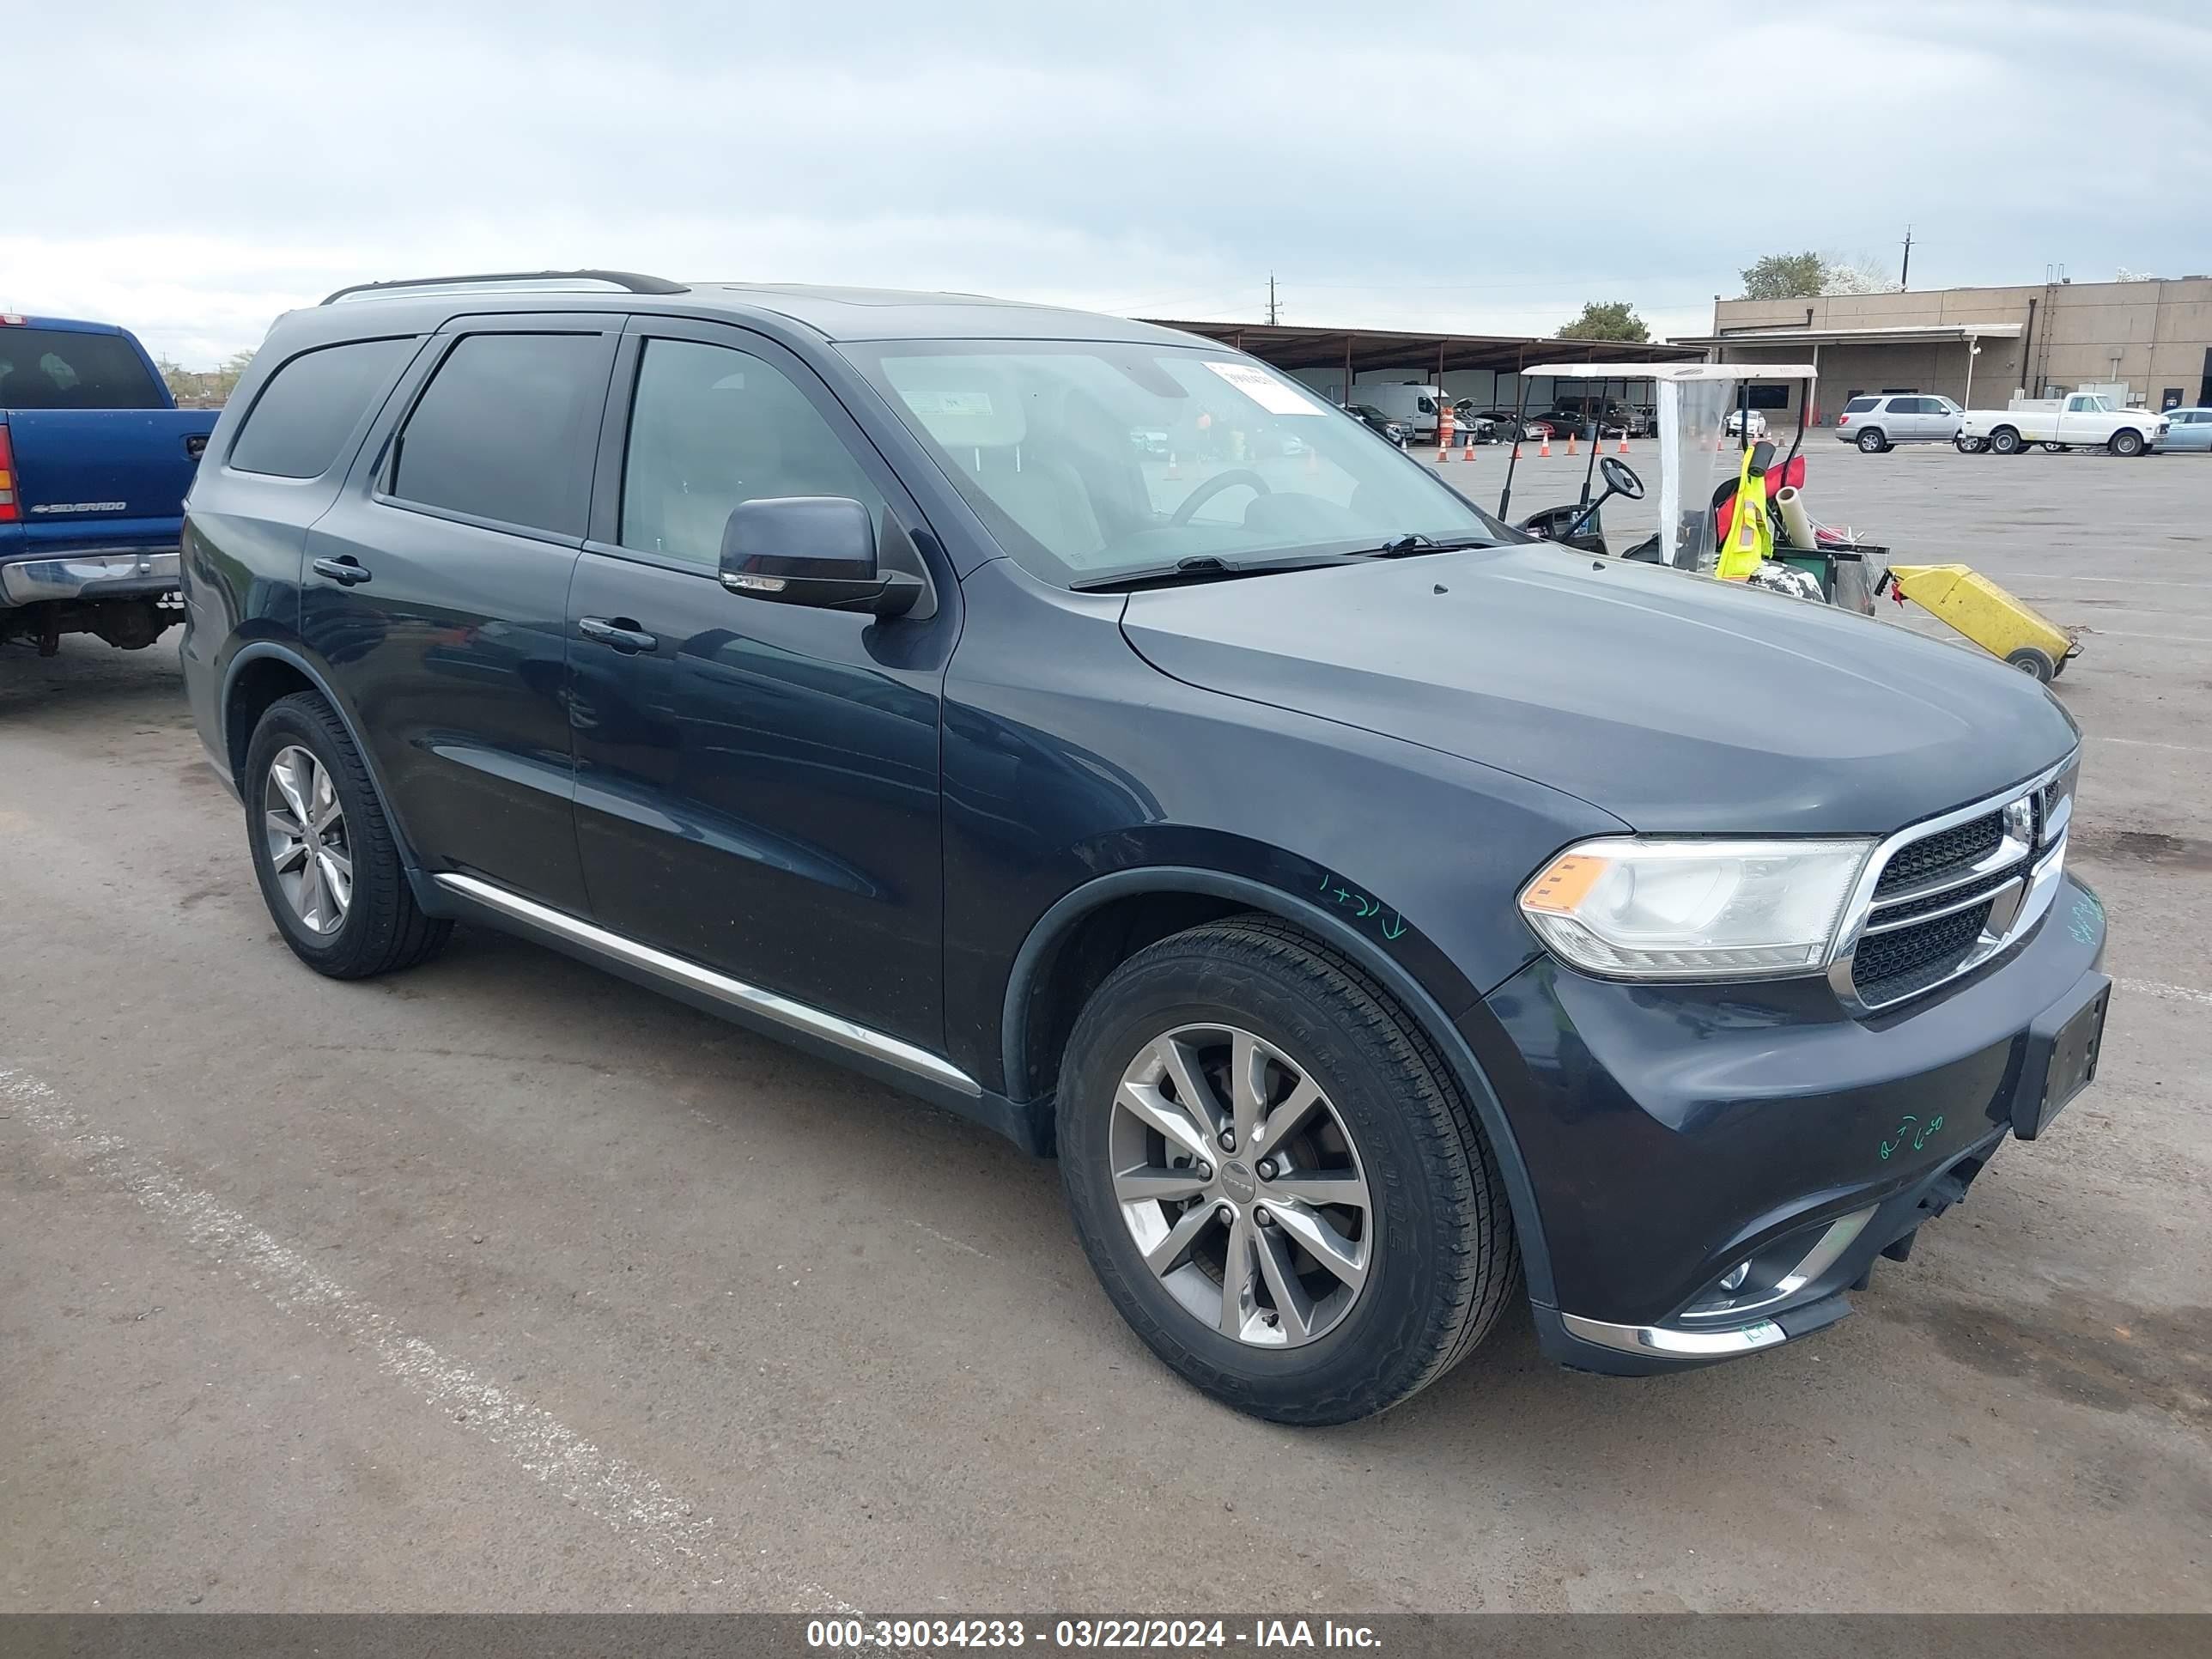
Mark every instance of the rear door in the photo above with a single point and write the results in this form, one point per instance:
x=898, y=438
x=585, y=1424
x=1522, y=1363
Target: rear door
x=100, y=453
x=436, y=589
x=756, y=782
x=1916, y=419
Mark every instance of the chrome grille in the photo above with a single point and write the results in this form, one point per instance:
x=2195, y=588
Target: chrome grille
x=1939, y=899
x=1942, y=853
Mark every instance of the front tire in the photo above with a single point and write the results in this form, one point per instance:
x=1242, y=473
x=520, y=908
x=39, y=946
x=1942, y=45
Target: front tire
x=1276, y=1178
x=2127, y=443
x=323, y=851
x=1966, y=445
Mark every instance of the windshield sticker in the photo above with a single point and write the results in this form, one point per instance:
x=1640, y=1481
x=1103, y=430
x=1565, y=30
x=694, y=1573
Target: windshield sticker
x=948, y=402
x=1264, y=389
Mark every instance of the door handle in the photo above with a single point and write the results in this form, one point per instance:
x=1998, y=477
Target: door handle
x=346, y=572
x=620, y=632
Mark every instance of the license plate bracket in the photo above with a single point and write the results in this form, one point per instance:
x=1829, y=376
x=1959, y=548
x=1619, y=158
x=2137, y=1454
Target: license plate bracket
x=2063, y=1047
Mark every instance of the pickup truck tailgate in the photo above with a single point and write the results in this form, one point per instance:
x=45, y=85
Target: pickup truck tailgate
x=90, y=475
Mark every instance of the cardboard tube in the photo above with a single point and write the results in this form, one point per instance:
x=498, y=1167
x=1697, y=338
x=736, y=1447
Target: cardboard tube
x=1789, y=500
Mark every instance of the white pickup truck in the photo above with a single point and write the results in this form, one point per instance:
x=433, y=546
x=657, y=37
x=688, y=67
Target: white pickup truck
x=2084, y=421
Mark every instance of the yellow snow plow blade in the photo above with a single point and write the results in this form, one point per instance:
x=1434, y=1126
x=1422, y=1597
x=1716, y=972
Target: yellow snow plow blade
x=2001, y=625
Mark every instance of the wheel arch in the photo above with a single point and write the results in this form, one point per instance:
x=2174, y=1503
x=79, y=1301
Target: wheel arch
x=266, y=670
x=1051, y=979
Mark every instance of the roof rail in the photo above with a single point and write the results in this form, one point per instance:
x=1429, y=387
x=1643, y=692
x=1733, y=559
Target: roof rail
x=623, y=279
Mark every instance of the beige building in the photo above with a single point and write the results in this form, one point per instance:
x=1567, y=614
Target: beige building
x=2153, y=337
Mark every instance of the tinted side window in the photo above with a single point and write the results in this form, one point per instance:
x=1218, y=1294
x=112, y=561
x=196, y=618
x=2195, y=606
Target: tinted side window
x=61, y=368
x=1860, y=405
x=711, y=427
x=497, y=432
x=310, y=405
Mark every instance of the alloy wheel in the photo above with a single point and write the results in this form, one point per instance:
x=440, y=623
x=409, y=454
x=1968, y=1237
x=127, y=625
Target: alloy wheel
x=1241, y=1185
x=304, y=829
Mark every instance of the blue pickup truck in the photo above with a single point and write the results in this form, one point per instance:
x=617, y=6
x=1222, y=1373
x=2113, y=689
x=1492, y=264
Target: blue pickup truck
x=95, y=459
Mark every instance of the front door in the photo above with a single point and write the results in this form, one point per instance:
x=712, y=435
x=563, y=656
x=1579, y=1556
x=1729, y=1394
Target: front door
x=435, y=592
x=756, y=782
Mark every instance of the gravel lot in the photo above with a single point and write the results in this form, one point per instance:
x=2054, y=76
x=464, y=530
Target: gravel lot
x=504, y=1285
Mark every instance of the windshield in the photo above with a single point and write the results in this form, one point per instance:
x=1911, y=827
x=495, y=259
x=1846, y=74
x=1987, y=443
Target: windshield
x=1091, y=460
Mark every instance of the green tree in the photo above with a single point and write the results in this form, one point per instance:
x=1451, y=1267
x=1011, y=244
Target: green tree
x=1609, y=319
x=1786, y=277
x=203, y=388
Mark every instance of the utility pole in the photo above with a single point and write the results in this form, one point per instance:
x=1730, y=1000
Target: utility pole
x=1270, y=299
x=1904, y=277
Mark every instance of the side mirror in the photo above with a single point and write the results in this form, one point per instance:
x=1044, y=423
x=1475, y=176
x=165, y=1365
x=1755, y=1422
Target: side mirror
x=811, y=549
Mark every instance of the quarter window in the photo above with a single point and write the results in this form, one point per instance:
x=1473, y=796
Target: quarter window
x=311, y=405
x=501, y=431
x=711, y=427
x=1861, y=405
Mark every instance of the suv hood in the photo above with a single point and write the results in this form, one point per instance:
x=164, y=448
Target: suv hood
x=1675, y=702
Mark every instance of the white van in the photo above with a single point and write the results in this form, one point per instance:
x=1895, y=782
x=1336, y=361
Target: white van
x=1411, y=405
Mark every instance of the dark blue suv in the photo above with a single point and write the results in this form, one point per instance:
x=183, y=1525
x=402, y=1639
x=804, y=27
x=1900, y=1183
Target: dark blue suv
x=1093, y=732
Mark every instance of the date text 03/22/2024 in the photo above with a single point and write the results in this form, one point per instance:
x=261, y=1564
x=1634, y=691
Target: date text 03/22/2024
x=851, y=1635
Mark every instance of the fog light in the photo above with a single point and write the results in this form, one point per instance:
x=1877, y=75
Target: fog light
x=1732, y=1279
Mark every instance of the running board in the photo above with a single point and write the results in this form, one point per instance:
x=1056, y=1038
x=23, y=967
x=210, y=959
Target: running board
x=766, y=1004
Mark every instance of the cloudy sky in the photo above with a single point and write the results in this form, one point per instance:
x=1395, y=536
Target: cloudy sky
x=194, y=169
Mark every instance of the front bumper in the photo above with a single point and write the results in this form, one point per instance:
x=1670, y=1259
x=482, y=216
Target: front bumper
x=1672, y=1134
x=91, y=574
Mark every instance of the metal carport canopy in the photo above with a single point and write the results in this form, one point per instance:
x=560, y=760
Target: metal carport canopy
x=1678, y=372
x=1366, y=350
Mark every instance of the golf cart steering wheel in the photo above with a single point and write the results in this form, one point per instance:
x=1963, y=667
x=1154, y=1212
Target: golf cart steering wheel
x=1620, y=477
x=1221, y=480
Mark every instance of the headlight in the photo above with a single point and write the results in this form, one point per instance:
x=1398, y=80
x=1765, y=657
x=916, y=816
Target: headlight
x=1638, y=908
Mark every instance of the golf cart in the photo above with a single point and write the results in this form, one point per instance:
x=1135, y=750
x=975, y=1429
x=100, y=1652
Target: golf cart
x=1695, y=526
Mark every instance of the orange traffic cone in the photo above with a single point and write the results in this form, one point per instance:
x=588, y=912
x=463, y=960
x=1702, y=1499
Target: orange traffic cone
x=1467, y=454
x=1622, y=450
x=1443, y=454
x=1173, y=471
x=1544, y=446
x=1571, y=441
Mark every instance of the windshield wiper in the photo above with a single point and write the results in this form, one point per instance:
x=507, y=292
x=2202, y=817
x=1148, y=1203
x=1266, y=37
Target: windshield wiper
x=1200, y=568
x=1399, y=547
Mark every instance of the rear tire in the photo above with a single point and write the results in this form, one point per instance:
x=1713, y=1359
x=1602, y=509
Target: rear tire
x=2127, y=443
x=2006, y=441
x=1871, y=441
x=2029, y=660
x=1435, y=1243
x=338, y=895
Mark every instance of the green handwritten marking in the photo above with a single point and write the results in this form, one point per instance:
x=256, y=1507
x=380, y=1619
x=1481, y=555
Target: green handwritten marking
x=2087, y=913
x=1391, y=924
x=1911, y=1128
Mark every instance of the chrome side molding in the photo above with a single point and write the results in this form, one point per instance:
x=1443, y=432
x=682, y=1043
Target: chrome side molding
x=1676, y=1344
x=768, y=1004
